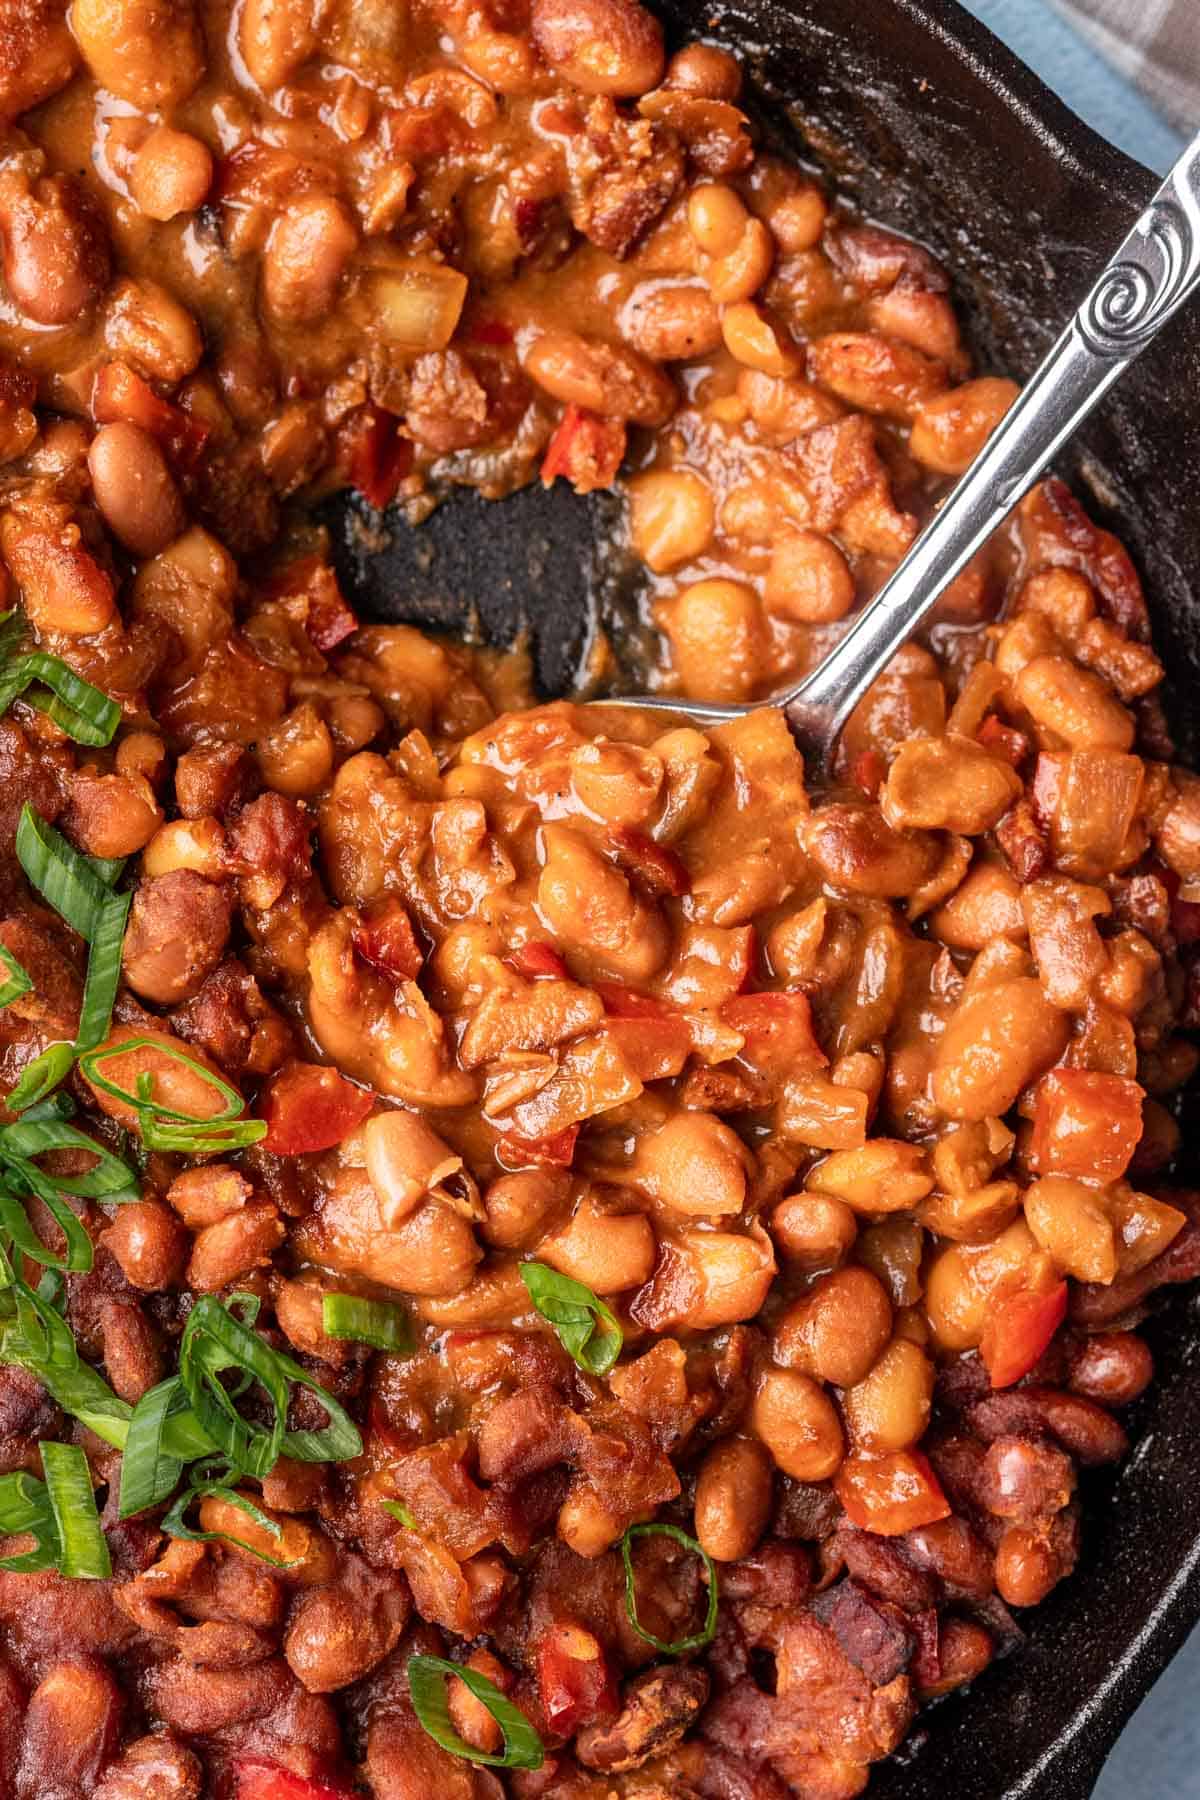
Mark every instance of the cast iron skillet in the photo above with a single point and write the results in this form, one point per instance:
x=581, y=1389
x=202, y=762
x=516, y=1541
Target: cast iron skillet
x=930, y=125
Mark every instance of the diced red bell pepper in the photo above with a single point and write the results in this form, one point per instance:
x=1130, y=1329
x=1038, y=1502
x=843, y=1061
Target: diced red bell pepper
x=380, y=457
x=1003, y=740
x=778, y=1030
x=119, y=394
x=308, y=1107
x=890, y=1494
x=575, y=1682
x=867, y=772
x=538, y=959
x=658, y=870
x=387, y=941
x=586, y=449
x=267, y=1781
x=1086, y=1124
x=557, y=1151
x=1018, y=1331
x=312, y=586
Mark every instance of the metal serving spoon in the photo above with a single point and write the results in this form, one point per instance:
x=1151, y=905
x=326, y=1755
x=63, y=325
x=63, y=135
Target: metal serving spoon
x=1153, y=273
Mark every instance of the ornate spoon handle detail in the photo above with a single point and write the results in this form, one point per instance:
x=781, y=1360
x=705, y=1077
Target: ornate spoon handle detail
x=1151, y=276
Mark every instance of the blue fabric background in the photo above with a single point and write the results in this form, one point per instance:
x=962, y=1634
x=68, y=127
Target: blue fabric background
x=1158, y=1756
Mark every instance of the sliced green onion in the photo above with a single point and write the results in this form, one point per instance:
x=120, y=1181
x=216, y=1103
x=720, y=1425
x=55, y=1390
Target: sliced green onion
x=103, y=972
x=708, y=1630
x=199, y=1140
x=109, y=868
x=73, y=1503
x=63, y=877
x=40, y=1076
x=16, y=979
x=165, y=1127
x=78, y=708
x=427, y=1679
x=359, y=1321
x=109, y=1179
x=25, y=1507
x=148, y=1475
x=399, y=1511
x=214, y=1341
x=12, y=631
x=586, y=1327
x=14, y=1220
x=34, y=1336
x=175, y=1521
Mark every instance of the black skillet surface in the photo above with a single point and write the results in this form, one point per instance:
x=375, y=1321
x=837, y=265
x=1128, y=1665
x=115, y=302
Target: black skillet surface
x=930, y=125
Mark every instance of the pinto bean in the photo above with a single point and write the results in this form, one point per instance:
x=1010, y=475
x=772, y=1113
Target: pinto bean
x=718, y=638
x=995, y=1043
x=405, y=1159
x=224, y=1252
x=876, y=374
x=171, y=174
x=337, y=1634
x=796, y=1420
x=733, y=1498
x=1025, y=1482
x=306, y=256
x=949, y=432
x=889, y=1408
x=110, y=815
x=71, y=1728
x=1112, y=1368
x=813, y=1230
x=695, y=1164
x=601, y=378
x=156, y=1767
x=135, y=489
x=1073, y=704
x=206, y=1195
x=838, y=1331
x=149, y=1244
x=808, y=579
x=669, y=323
x=178, y=928
x=56, y=257
x=704, y=69
x=190, y=1699
x=149, y=52
x=600, y=46
x=148, y=328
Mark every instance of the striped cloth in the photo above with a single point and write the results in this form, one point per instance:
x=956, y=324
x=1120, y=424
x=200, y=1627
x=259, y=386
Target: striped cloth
x=1155, y=43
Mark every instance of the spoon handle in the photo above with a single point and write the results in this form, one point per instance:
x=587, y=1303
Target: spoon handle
x=1153, y=273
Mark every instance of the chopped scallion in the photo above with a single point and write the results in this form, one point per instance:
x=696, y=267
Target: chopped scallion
x=708, y=1630
x=586, y=1327
x=375, y=1322
x=73, y=1503
x=63, y=877
x=427, y=1680
x=15, y=981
